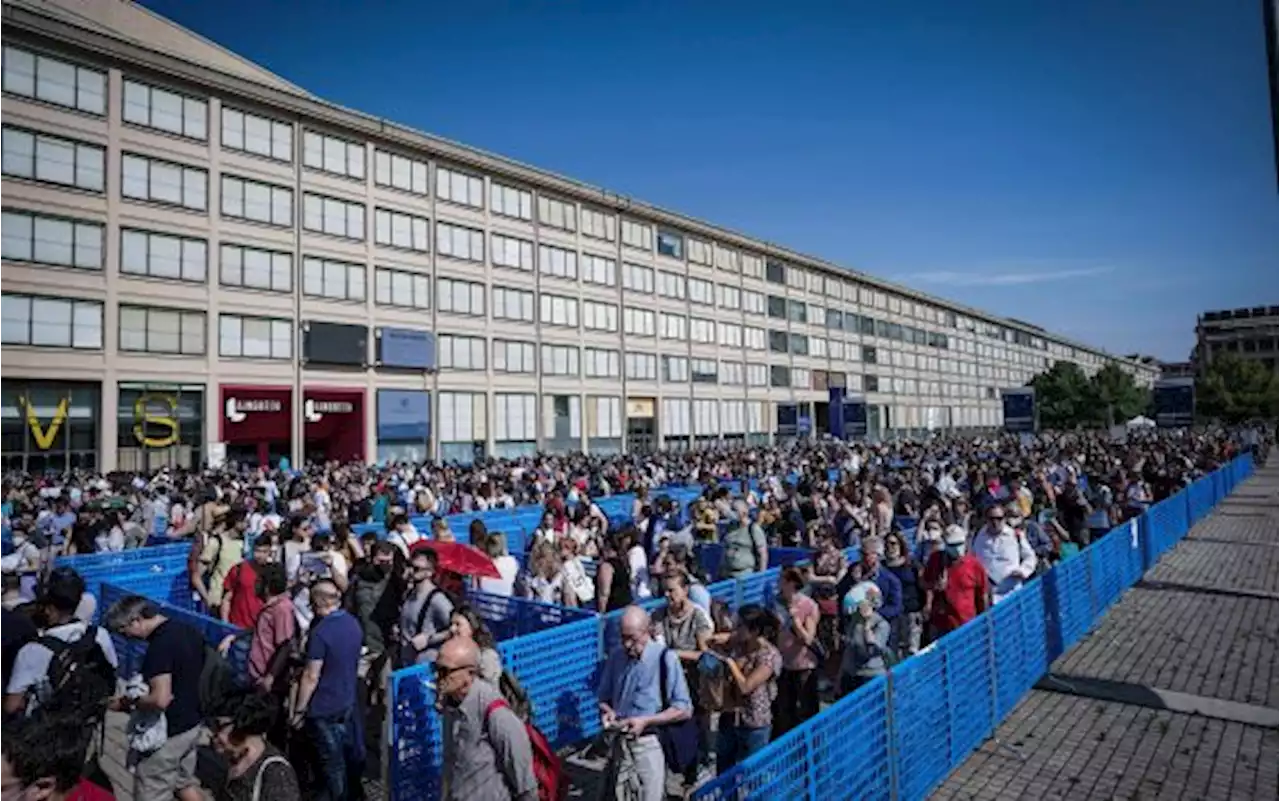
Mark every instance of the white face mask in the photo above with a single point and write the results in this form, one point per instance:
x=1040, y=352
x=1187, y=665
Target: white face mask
x=955, y=550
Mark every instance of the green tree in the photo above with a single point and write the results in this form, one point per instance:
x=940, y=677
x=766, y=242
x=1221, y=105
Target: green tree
x=1115, y=397
x=1232, y=390
x=1062, y=395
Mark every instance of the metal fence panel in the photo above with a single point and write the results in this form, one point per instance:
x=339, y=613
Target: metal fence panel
x=921, y=722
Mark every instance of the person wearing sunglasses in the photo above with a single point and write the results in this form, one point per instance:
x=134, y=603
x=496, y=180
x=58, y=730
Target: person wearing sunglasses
x=1005, y=555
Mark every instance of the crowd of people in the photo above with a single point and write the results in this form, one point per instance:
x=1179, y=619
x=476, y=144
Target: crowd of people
x=943, y=529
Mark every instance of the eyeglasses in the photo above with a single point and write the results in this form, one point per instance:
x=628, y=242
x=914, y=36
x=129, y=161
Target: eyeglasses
x=444, y=671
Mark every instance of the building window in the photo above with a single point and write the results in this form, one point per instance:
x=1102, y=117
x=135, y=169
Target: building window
x=642, y=366
x=163, y=256
x=637, y=235
x=753, y=302
x=329, y=215
x=257, y=202
x=399, y=230
x=801, y=378
x=152, y=107
x=401, y=288
x=459, y=187
x=557, y=213
x=699, y=252
x=728, y=297
x=670, y=244
x=637, y=278
x=673, y=326
x=671, y=285
x=599, y=224
x=752, y=266
x=600, y=363
x=52, y=80
x=730, y=335
x=558, y=262
x=509, y=201
x=512, y=304
x=701, y=292
x=599, y=270
x=253, y=268
x=461, y=353
x=799, y=345
x=777, y=307
x=775, y=272
x=599, y=316
x=675, y=369
x=779, y=376
x=511, y=252
x=145, y=329
x=460, y=297
x=51, y=322
x=639, y=322
x=797, y=312
x=704, y=371
x=163, y=182
x=52, y=241
x=868, y=354
x=456, y=242
x=333, y=280
x=757, y=375
x=513, y=357
x=254, y=337
x=332, y=155
x=399, y=172
x=560, y=360
x=703, y=331
x=870, y=383
x=52, y=159
x=260, y=136
x=753, y=338
x=731, y=374
x=778, y=342
x=728, y=260
x=558, y=310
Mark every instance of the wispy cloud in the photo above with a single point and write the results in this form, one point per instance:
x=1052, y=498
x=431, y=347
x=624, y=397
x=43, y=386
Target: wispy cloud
x=979, y=277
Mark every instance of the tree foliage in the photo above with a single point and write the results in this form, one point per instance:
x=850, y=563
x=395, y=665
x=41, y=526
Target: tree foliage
x=1067, y=398
x=1233, y=390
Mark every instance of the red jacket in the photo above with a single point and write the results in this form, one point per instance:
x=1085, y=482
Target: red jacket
x=86, y=790
x=964, y=596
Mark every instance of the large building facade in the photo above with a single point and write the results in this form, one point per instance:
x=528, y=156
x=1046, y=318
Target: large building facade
x=1248, y=333
x=202, y=261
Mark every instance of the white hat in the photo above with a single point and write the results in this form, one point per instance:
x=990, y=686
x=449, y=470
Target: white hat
x=954, y=536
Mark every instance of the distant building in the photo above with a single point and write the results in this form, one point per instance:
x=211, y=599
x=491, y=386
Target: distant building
x=1248, y=333
x=1178, y=370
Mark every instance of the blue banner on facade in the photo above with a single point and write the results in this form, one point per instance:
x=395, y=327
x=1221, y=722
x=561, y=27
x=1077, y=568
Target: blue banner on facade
x=407, y=348
x=1019, y=409
x=854, y=410
x=404, y=415
x=835, y=412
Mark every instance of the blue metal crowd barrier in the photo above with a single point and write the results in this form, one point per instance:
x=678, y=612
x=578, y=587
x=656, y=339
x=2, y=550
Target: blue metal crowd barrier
x=930, y=712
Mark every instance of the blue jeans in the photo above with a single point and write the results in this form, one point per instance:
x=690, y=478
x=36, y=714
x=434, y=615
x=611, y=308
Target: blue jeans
x=735, y=743
x=339, y=757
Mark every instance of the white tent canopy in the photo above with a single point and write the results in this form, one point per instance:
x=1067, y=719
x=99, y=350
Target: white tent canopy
x=1140, y=422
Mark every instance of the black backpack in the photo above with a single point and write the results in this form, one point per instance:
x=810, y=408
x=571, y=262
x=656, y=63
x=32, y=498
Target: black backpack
x=217, y=681
x=79, y=676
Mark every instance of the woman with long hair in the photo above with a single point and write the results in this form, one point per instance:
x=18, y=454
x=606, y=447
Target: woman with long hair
x=753, y=665
x=256, y=770
x=465, y=623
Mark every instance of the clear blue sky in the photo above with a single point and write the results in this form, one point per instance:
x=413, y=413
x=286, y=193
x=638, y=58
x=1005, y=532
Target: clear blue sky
x=1103, y=169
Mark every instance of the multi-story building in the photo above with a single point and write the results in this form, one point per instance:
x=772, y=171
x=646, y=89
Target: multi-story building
x=202, y=260
x=1248, y=333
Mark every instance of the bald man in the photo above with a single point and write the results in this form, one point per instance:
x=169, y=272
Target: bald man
x=631, y=697
x=326, y=704
x=487, y=755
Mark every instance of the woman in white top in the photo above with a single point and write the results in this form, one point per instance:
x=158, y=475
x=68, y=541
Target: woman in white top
x=544, y=581
x=638, y=562
x=508, y=567
x=578, y=588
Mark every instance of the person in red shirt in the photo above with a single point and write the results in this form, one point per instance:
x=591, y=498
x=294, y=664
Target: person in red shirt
x=956, y=587
x=240, y=601
x=44, y=758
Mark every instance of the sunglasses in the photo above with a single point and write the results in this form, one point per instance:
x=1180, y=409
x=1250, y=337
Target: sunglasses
x=444, y=671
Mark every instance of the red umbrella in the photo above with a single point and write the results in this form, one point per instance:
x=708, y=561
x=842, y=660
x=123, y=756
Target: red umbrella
x=455, y=557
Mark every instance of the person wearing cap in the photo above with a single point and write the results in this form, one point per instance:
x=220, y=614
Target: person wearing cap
x=955, y=586
x=1006, y=557
x=870, y=569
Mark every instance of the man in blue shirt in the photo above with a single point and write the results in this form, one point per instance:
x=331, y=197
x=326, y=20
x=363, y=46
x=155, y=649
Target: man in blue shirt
x=327, y=696
x=631, y=699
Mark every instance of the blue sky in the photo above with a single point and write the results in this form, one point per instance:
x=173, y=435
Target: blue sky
x=1096, y=168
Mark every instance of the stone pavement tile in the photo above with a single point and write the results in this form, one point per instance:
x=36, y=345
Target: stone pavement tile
x=1236, y=526
x=1217, y=565
x=1209, y=645
x=1056, y=746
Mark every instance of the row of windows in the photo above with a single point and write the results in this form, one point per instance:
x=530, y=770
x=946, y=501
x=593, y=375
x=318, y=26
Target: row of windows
x=49, y=158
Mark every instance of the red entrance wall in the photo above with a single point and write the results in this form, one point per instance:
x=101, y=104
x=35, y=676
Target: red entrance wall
x=340, y=435
x=254, y=425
